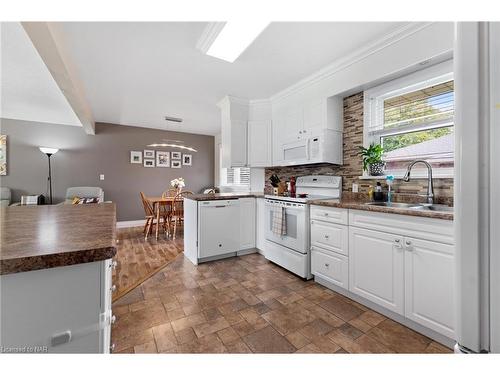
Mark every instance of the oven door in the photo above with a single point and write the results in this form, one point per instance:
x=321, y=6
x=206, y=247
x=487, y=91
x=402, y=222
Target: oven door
x=296, y=225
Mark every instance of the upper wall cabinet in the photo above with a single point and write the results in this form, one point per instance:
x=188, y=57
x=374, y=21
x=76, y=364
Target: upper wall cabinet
x=259, y=143
x=234, y=119
x=308, y=133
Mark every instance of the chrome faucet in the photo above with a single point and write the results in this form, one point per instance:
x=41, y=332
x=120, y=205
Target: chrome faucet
x=430, y=186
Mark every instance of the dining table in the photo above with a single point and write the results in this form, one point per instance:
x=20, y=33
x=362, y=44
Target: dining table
x=157, y=202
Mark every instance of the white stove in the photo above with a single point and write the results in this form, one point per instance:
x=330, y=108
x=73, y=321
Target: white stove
x=291, y=249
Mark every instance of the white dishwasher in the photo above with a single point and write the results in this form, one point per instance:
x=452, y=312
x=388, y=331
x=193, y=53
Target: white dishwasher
x=219, y=227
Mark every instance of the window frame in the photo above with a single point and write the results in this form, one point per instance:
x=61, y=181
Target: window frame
x=374, y=118
x=222, y=177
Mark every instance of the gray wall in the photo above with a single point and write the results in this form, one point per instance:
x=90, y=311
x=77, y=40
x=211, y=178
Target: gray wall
x=83, y=157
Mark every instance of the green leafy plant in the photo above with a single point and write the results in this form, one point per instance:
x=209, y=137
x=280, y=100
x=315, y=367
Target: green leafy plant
x=371, y=155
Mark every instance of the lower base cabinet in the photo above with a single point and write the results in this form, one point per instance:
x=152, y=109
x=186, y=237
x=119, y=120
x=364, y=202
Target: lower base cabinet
x=429, y=285
x=330, y=266
x=376, y=267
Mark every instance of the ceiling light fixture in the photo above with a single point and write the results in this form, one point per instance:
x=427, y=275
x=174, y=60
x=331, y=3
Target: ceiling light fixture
x=227, y=40
x=172, y=145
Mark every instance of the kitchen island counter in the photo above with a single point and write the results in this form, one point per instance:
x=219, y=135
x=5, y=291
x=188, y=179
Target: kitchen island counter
x=40, y=237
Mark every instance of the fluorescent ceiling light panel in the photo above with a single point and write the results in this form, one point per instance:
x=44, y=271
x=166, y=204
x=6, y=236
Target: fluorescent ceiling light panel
x=234, y=38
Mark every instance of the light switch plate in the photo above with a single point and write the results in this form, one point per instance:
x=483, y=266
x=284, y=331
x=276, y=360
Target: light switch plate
x=101, y=177
x=354, y=188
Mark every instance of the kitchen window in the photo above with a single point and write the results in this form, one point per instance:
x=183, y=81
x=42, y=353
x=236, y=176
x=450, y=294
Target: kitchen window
x=412, y=118
x=233, y=178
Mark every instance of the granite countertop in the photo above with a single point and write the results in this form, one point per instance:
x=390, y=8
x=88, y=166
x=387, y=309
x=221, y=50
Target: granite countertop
x=356, y=204
x=39, y=237
x=223, y=196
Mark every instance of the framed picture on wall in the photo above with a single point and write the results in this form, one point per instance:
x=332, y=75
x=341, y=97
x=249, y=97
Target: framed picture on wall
x=149, y=153
x=163, y=159
x=136, y=157
x=3, y=155
x=176, y=164
x=149, y=163
x=176, y=155
x=187, y=159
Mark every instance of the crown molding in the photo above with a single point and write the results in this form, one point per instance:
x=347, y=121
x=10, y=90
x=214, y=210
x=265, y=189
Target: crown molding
x=228, y=99
x=352, y=58
x=208, y=36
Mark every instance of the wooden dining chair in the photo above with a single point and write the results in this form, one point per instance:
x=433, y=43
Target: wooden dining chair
x=149, y=216
x=178, y=209
x=169, y=193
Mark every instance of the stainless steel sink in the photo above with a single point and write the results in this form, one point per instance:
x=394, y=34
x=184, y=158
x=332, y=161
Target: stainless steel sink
x=413, y=206
x=434, y=207
x=392, y=204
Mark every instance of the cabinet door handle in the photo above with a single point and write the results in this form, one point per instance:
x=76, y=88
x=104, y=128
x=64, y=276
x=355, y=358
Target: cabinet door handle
x=326, y=213
x=327, y=236
x=408, y=243
x=327, y=264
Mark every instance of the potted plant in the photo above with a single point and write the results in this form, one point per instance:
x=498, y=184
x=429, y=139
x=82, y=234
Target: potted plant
x=372, y=159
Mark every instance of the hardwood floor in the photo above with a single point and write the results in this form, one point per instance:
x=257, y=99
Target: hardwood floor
x=138, y=259
x=249, y=305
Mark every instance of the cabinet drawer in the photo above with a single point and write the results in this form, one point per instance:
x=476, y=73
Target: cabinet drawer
x=330, y=214
x=330, y=266
x=332, y=237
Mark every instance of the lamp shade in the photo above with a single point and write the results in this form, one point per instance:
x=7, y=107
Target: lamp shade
x=48, y=150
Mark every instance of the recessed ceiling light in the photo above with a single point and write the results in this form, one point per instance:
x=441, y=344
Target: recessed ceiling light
x=228, y=40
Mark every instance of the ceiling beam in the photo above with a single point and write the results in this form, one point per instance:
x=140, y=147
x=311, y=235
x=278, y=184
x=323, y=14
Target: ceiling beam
x=49, y=42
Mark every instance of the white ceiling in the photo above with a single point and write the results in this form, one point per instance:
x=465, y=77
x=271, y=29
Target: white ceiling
x=136, y=73
x=28, y=91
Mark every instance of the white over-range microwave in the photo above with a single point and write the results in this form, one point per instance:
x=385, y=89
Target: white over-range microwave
x=323, y=147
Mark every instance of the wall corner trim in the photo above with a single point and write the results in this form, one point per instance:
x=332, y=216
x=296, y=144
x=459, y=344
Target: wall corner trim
x=354, y=57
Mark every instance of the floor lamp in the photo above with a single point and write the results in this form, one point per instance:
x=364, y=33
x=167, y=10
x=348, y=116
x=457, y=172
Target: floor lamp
x=49, y=152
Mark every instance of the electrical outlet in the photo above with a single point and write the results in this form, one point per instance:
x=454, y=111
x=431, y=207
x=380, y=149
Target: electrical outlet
x=354, y=188
x=101, y=177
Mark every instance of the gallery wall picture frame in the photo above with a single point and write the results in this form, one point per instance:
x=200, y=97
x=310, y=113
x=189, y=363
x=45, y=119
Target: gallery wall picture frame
x=163, y=159
x=149, y=153
x=3, y=155
x=187, y=159
x=149, y=163
x=176, y=155
x=176, y=164
x=136, y=157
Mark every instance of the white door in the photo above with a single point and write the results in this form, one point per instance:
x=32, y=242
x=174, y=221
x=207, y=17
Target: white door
x=247, y=223
x=376, y=267
x=330, y=266
x=238, y=143
x=219, y=228
x=259, y=143
x=429, y=285
x=260, y=222
x=314, y=116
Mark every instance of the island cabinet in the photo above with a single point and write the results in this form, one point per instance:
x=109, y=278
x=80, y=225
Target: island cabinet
x=55, y=281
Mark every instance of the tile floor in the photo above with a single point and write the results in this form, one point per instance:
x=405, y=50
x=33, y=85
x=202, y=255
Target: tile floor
x=249, y=305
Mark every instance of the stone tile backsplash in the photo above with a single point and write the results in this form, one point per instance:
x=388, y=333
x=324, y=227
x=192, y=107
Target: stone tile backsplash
x=353, y=168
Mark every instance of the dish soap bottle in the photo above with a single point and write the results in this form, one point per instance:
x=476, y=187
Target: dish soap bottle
x=389, y=179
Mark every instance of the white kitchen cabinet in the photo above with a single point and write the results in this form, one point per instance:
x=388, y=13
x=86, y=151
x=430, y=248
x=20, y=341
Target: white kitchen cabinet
x=260, y=229
x=330, y=266
x=332, y=237
x=429, y=284
x=376, y=267
x=259, y=143
x=38, y=306
x=247, y=223
x=234, y=122
x=330, y=214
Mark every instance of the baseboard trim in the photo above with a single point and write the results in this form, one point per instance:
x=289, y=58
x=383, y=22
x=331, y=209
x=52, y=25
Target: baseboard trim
x=130, y=223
